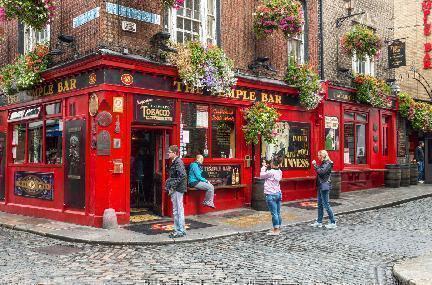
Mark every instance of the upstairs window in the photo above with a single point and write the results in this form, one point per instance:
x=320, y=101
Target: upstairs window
x=296, y=45
x=195, y=20
x=365, y=66
x=33, y=37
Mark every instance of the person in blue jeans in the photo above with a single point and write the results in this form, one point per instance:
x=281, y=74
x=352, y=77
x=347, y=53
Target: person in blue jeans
x=198, y=182
x=272, y=192
x=323, y=189
x=419, y=157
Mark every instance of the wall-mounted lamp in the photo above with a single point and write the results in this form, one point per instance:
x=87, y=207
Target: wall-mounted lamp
x=65, y=40
x=349, y=6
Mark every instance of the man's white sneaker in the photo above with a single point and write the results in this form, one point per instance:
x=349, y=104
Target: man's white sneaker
x=421, y=181
x=331, y=226
x=316, y=225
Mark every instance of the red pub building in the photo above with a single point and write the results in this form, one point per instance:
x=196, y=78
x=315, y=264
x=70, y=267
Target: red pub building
x=94, y=135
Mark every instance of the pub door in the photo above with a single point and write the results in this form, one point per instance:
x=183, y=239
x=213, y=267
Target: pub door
x=148, y=153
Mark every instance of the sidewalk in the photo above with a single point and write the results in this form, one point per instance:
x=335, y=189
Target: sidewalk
x=417, y=271
x=213, y=225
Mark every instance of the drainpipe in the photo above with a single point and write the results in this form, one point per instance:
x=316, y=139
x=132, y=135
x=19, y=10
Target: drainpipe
x=321, y=40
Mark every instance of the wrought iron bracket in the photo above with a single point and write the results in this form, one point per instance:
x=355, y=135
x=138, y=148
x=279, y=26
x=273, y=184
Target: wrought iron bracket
x=340, y=20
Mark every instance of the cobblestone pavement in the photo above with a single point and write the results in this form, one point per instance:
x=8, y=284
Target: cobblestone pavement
x=361, y=250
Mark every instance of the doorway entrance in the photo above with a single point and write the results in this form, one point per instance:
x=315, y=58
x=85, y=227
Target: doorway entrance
x=148, y=156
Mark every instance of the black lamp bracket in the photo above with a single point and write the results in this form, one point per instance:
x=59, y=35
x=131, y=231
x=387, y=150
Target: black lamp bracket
x=340, y=20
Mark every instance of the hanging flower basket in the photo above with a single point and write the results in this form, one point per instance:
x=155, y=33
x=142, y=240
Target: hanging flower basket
x=306, y=80
x=35, y=13
x=177, y=4
x=361, y=41
x=372, y=91
x=286, y=15
x=260, y=121
x=419, y=114
x=25, y=72
x=204, y=68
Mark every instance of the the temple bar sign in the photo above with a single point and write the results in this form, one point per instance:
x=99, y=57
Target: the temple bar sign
x=241, y=94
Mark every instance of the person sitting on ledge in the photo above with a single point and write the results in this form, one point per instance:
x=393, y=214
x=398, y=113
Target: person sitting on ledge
x=197, y=181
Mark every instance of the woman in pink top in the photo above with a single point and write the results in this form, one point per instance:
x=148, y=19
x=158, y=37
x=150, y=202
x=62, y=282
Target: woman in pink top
x=273, y=192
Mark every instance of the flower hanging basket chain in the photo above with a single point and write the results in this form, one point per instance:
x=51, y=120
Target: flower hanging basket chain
x=34, y=13
x=286, y=15
x=260, y=122
x=361, y=41
x=306, y=80
x=419, y=114
x=204, y=68
x=25, y=72
x=372, y=91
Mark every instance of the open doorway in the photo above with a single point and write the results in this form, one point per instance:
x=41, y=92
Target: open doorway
x=148, y=151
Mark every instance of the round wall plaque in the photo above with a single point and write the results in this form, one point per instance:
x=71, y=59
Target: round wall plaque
x=93, y=105
x=104, y=119
x=375, y=148
x=375, y=138
x=375, y=127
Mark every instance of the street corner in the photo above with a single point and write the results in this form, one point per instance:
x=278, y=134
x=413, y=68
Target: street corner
x=415, y=271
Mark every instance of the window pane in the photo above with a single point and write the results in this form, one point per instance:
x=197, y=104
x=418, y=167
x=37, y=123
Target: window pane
x=349, y=116
x=361, y=117
x=53, y=141
x=210, y=7
x=35, y=142
x=361, y=144
x=53, y=109
x=194, y=134
x=18, y=143
x=349, y=143
x=223, y=132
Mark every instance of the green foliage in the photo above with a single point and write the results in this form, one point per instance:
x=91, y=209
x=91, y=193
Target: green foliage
x=418, y=113
x=35, y=13
x=260, y=122
x=303, y=77
x=361, y=41
x=372, y=91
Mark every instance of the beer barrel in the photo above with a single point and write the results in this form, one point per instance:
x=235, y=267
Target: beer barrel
x=336, y=185
x=392, y=177
x=258, y=198
x=405, y=175
x=414, y=174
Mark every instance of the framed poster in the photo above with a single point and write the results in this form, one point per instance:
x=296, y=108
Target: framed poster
x=292, y=145
x=331, y=133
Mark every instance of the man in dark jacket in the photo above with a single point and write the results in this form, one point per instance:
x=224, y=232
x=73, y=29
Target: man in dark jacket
x=176, y=185
x=419, y=157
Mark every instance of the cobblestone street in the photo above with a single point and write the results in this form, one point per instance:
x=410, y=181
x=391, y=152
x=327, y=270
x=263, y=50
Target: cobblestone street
x=361, y=250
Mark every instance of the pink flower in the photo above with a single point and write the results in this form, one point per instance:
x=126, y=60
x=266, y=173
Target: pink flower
x=2, y=14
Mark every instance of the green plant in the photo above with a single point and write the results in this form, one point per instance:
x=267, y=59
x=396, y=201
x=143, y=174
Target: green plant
x=306, y=80
x=286, y=15
x=25, y=72
x=260, y=122
x=419, y=114
x=361, y=41
x=372, y=91
x=205, y=68
x=35, y=13
x=177, y=4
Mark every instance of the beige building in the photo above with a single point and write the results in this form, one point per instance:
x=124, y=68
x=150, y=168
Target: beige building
x=409, y=27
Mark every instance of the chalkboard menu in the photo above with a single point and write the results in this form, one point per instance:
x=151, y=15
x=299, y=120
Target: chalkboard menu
x=222, y=175
x=223, y=131
x=150, y=109
x=401, y=137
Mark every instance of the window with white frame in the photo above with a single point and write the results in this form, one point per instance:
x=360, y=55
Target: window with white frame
x=296, y=45
x=195, y=20
x=365, y=66
x=33, y=37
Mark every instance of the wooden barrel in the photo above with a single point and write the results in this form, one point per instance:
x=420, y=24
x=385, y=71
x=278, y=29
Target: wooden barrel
x=392, y=177
x=414, y=174
x=258, y=198
x=336, y=185
x=405, y=175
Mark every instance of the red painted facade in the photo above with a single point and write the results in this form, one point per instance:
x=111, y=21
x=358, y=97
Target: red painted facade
x=106, y=189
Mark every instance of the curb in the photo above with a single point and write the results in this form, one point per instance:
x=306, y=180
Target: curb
x=174, y=241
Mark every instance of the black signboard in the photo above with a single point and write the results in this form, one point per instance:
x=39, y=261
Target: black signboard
x=396, y=54
x=341, y=95
x=401, y=137
x=74, y=173
x=2, y=165
x=150, y=109
x=292, y=145
x=222, y=175
x=34, y=185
